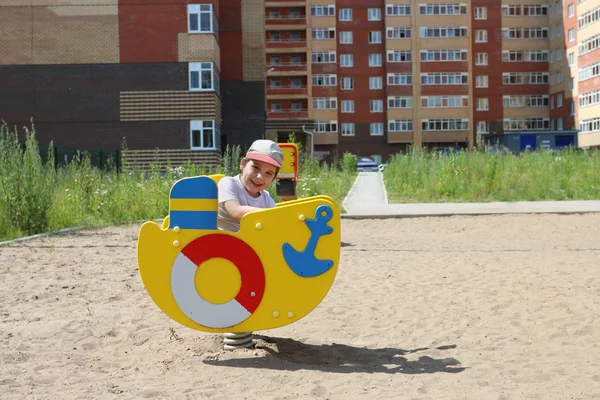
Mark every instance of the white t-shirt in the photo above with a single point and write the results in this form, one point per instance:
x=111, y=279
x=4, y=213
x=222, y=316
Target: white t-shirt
x=231, y=188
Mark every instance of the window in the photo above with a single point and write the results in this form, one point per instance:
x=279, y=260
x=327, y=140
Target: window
x=558, y=77
x=295, y=37
x=374, y=60
x=397, y=9
x=525, y=55
x=347, y=106
x=481, y=36
x=275, y=60
x=443, y=9
x=454, y=124
x=483, y=127
x=444, y=55
x=481, y=59
x=571, y=83
x=275, y=83
x=325, y=126
x=323, y=33
x=273, y=14
x=346, y=60
x=376, y=106
x=398, y=33
x=444, y=78
x=375, y=37
x=202, y=77
x=347, y=129
x=480, y=12
x=205, y=135
x=374, y=14
x=526, y=124
x=535, y=10
x=559, y=124
x=552, y=102
x=558, y=54
x=512, y=78
x=322, y=10
x=444, y=101
x=400, y=102
x=571, y=10
x=376, y=129
x=296, y=60
x=589, y=45
x=400, y=125
x=323, y=57
x=559, y=100
x=589, y=18
x=589, y=98
x=297, y=106
x=276, y=106
x=399, y=79
x=559, y=30
x=572, y=107
x=571, y=58
x=483, y=104
x=589, y=72
x=481, y=81
x=325, y=103
x=345, y=14
x=589, y=125
x=200, y=18
x=295, y=14
x=274, y=36
x=443, y=32
x=345, y=37
x=324, y=80
x=520, y=101
x=375, y=83
x=399, y=56
x=347, y=83
x=571, y=35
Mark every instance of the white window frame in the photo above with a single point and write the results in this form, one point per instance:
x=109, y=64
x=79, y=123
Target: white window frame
x=324, y=80
x=346, y=37
x=376, y=129
x=376, y=106
x=399, y=79
x=375, y=60
x=346, y=83
x=195, y=11
x=481, y=59
x=329, y=56
x=483, y=127
x=399, y=56
x=399, y=102
x=322, y=10
x=400, y=125
x=483, y=104
x=199, y=125
x=374, y=14
x=397, y=10
x=481, y=36
x=374, y=37
x=326, y=126
x=348, y=129
x=323, y=34
x=347, y=106
x=346, y=60
x=324, y=103
x=345, y=14
x=571, y=35
x=481, y=81
x=480, y=13
x=199, y=68
x=375, y=83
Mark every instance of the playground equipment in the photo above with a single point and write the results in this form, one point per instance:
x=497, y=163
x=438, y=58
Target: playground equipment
x=275, y=270
x=287, y=178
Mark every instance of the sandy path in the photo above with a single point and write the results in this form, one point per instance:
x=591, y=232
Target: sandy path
x=499, y=307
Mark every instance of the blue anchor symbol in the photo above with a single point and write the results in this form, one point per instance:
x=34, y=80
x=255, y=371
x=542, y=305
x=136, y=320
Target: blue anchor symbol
x=304, y=263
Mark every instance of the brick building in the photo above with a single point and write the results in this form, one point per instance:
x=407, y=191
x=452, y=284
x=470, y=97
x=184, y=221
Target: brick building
x=183, y=78
x=377, y=76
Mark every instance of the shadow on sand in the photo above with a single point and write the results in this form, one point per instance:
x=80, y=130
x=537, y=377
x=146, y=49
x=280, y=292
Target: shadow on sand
x=292, y=355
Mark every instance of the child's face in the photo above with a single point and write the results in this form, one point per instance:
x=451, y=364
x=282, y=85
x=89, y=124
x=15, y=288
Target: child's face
x=256, y=175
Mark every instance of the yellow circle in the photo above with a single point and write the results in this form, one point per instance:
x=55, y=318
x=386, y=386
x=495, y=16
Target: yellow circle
x=217, y=280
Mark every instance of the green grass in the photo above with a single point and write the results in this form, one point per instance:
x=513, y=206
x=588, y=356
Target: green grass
x=36, y=198
x=483, y=177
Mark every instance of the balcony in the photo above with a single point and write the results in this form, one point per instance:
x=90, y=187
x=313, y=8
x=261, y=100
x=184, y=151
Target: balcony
x=326, y=138
x=285, y=45
x=284, y=3
x=399, y=137
x=283, y=68
x=285, y=21
x=287, y=114
x=287, y=92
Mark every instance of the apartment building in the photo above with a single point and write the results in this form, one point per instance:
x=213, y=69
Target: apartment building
x=378, y=76
x=160, y=74
x=583, y=42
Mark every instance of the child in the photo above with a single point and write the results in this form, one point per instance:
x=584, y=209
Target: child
x=246, y=192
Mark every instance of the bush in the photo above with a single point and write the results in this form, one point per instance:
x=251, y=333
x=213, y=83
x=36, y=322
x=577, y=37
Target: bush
x=26, y=184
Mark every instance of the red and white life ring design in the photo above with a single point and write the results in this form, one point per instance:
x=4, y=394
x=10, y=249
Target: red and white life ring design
x=242, y=256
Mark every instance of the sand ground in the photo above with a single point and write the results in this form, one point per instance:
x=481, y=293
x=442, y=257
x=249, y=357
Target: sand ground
x=494, y=307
